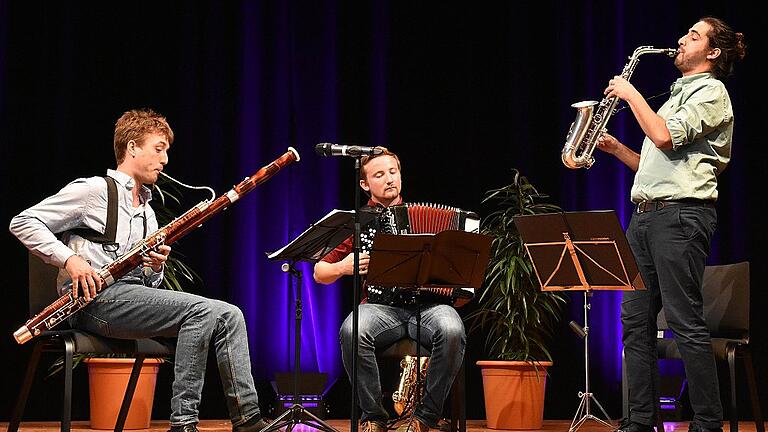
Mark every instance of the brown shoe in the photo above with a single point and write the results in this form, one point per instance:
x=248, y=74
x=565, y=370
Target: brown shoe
x=373, y=426
x=192, y=427
x=414, y=424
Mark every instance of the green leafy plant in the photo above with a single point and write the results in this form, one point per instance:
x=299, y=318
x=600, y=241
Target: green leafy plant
x=168, y=206
x=516, y=314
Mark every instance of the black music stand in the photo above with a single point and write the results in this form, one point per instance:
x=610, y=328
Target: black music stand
x=448, y=259
x=580, y=251
x=311, y=245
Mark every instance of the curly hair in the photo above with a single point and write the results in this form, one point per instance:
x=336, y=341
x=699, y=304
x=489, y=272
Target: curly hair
x=730, y=43
x=133, y=125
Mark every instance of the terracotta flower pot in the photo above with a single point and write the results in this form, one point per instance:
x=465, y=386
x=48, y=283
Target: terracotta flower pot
x=514, y=394
x=108, y=378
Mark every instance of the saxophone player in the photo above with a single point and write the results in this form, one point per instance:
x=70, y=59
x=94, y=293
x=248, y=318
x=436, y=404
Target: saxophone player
x=687, y=145
x=69, y=229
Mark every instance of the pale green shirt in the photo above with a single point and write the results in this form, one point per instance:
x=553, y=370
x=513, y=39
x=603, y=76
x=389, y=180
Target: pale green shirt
x=699, y=117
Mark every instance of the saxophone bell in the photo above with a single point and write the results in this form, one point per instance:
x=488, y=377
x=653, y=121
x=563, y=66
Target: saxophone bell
x=592, y=117
x=573, y=156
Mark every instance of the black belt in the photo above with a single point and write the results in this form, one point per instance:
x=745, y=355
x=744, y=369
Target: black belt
x=653, y=205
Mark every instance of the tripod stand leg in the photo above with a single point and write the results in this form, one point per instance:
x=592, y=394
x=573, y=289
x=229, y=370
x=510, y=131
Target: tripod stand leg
x=583, y=413
x=279, y=422
x=317, y=423
x=297, y=414
x=608, y=421
x=578, y=419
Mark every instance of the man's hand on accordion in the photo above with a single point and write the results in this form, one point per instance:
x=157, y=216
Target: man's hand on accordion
x=348, y=264
x=326, y=272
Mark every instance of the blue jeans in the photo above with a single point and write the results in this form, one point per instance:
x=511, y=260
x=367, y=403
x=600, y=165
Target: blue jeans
x=671, y=247
x=130, y=311
x=379, y=326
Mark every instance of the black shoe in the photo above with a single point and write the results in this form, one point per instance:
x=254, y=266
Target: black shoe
x=254, y=424
x=629, y=426
x=695, y=427
x=192, y=427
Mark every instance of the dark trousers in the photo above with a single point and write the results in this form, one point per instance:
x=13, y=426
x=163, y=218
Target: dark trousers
x=671, y=246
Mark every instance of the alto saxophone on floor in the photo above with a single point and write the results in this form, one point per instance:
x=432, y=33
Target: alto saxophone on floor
x=590, y=121
x=407, y=395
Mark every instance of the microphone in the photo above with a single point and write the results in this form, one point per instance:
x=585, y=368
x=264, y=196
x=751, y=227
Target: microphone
x=329, y=149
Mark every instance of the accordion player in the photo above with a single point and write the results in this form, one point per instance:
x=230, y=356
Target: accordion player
x=417, y=218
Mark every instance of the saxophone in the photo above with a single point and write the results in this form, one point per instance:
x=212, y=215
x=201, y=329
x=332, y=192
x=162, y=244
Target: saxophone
x=590, y=121
x=406, y=395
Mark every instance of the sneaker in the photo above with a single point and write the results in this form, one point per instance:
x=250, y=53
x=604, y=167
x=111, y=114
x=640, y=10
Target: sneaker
x=372, y=426
x=414, y=425
x=192, y=427
x=629, y=426
x=254, y=424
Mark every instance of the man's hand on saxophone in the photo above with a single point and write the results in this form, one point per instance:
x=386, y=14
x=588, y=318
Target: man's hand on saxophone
x=623, y=89
x=83, y=277
x=609, y=144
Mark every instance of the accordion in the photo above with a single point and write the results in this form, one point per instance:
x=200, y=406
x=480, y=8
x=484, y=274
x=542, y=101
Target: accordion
x=417, y=218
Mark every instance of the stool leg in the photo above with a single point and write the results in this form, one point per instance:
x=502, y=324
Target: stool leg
x=462, y=399
x=730, y=351
x=748, y=368
x=66, y=410
x=624, y=387
x=129, y=390
x=21, y=403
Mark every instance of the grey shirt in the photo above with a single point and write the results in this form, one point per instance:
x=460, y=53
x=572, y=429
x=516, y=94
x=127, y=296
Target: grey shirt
x=44, y=228
x=699, y=117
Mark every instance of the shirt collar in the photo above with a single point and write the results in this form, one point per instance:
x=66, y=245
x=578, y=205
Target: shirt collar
x=128, y=183
x=372, y=203
x=679, y=83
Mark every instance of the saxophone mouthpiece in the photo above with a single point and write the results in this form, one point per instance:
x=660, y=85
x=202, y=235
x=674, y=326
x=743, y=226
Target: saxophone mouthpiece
x=673, y=52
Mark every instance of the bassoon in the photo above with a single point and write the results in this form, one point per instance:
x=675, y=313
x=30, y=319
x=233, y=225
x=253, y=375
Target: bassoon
x=67, y=304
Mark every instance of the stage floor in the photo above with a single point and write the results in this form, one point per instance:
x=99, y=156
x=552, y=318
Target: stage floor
x=343, y=426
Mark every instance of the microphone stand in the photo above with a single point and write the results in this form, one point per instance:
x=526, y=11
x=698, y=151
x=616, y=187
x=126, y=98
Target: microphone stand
x=296, y=414
x=355, y=295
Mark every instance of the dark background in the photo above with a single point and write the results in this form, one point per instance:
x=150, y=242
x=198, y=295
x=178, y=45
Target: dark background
x=463, y=93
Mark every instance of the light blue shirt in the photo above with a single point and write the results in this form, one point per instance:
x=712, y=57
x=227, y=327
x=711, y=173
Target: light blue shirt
x=45, y=227
x=699, y=117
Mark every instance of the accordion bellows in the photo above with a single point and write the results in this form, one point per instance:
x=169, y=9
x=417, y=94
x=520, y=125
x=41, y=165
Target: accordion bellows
x=426, y=218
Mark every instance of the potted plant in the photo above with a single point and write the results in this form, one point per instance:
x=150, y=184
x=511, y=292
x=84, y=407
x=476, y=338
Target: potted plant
x=515, y=314
x=108, y=375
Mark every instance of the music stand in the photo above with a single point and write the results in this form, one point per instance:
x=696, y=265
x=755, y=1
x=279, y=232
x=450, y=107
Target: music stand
x=580, y=251
x=311, y=245
x=448, y=259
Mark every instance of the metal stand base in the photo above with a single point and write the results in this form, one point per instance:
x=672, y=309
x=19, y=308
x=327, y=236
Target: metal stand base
x=583, y=413
x=295, y=415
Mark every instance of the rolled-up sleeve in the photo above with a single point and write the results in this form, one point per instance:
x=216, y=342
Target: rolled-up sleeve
x=705, y=109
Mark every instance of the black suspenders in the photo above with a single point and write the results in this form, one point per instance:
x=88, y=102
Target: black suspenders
x=108, y=238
